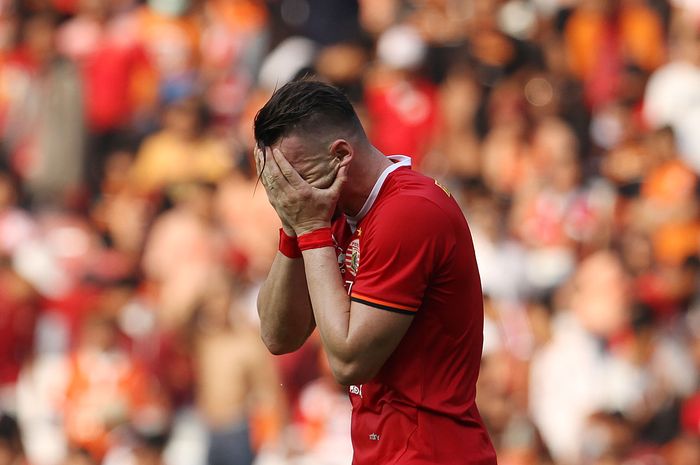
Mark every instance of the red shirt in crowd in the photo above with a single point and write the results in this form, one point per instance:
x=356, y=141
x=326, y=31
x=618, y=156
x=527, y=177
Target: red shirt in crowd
x=117, y=73
x=410, y=251
x=404, y=117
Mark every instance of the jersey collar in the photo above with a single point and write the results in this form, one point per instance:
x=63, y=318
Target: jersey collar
x=399, y=161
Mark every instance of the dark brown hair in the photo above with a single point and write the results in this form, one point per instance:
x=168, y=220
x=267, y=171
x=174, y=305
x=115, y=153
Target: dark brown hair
x=307, y=107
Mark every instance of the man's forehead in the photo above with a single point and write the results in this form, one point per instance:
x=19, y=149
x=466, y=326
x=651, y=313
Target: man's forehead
x=308, y=158
x=297, y=150
x=291, y=146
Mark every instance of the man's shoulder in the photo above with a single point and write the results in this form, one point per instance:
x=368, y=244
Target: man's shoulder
x=415, y=195
x=414, y=207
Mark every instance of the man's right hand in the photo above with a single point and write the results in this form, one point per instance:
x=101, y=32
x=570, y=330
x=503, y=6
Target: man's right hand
x=260, y=160
x=299, y=204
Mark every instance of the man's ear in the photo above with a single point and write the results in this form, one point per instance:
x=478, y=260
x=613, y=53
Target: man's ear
x=340, y=148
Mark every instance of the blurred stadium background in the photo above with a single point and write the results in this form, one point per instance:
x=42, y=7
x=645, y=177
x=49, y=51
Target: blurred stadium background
x=132, y=241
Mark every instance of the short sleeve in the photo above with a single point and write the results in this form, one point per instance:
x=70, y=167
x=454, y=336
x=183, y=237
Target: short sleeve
x=397, y=253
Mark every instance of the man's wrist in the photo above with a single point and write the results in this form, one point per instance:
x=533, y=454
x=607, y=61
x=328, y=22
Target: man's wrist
x=310, y=227
x=316, y=239
x=288, y=230
x=288, y=245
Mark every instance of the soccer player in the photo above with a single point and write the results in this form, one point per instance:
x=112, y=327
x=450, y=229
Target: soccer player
x=380, y=259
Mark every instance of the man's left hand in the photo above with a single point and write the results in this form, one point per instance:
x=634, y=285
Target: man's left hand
x=301, y=206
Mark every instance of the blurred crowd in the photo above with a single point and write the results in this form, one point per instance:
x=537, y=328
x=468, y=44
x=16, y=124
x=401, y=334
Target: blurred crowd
x=133, y=238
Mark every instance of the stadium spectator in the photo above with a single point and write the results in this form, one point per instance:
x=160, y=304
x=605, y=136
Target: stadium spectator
x=237, y=390
x=44, y=129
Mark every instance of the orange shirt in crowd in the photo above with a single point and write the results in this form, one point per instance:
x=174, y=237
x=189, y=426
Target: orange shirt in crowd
x=640, y=36
x=675, y=242
x=670, y=183
x=600, y=46
x=172, y=42
x=104, y=389
x=239, y=15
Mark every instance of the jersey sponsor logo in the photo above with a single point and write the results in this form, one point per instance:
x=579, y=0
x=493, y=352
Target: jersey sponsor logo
x=444, y=189
x=352, y=257
x=357, y=390
x=374, y=437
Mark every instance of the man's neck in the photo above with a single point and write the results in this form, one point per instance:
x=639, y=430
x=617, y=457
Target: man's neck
x=363, y=175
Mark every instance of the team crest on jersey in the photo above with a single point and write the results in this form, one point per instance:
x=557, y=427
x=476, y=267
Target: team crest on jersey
x=341, y=256
x=352, y=257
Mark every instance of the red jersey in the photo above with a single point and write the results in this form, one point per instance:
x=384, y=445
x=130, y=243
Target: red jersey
x=410, y=251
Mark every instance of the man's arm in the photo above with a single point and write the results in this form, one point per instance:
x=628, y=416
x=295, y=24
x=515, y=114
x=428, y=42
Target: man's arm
x=358, y=339
x=286, y=319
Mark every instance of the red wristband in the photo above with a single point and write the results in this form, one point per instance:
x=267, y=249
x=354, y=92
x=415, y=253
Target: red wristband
x=289, y=247
x=316, y=239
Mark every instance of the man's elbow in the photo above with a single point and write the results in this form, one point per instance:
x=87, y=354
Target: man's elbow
x=278, y=342
x=352, y=373
x=278, y=346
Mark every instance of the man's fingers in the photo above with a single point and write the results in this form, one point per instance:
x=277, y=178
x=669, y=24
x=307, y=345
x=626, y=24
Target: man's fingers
x=266, y=169
x=271, y=174
x=258, y=157
x=341, y=177
x=287, y=170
